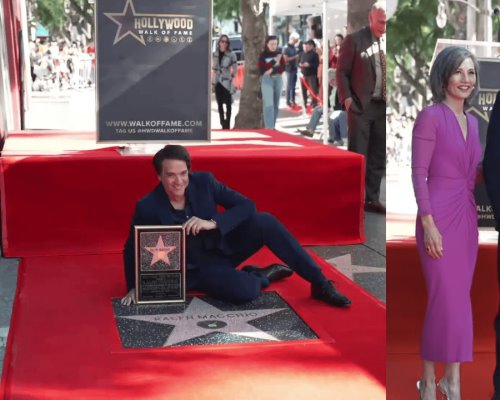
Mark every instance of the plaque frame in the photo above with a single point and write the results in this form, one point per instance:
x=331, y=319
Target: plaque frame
x=173, y=233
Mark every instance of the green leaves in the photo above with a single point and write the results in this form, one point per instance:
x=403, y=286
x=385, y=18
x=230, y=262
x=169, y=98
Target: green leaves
x=411, y=38
x=226, y=9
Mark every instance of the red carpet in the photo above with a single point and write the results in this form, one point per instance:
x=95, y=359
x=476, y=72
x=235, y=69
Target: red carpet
x=406, y=297
x=64, y=344
x=61, y=194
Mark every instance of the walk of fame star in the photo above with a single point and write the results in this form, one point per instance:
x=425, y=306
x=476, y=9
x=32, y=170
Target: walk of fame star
x=160, y=252
x=200, y=318
x=125, y=22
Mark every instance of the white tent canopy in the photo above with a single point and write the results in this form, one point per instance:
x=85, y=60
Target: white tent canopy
x=335, y=8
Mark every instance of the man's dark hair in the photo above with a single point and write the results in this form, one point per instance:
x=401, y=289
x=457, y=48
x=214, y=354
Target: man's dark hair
x=171, y=152
x=268, y=39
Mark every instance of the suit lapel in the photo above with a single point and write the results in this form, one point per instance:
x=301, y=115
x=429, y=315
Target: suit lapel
x=371, y=46
x=192, y=196
x=163, y=204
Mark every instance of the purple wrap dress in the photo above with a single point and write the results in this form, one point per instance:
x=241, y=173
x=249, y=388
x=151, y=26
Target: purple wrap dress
x=444, y=168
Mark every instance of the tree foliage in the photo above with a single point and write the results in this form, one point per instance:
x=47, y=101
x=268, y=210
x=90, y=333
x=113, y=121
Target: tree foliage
x=51, y=14
x=227, y=9
x=496, y=20
x=411, y=38
x=60, y=17
x=253, y=33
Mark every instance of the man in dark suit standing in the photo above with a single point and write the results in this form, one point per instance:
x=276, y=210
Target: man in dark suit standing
x=361, y=86
x=491, y=169
x=217, y=242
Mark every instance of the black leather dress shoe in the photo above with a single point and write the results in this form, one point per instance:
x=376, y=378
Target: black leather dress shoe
x=306, y=132
x=329, y=294
x=274, y=272
x=375, y=206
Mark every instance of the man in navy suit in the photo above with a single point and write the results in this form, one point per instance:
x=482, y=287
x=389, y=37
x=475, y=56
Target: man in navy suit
x=217, y=242
x=491, y=170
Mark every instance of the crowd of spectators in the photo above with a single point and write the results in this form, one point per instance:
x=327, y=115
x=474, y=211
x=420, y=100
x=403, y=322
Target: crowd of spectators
x=61, y=66
x=398, y=139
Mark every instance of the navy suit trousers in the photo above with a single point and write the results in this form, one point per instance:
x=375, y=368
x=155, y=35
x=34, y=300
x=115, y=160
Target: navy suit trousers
x=215, y=273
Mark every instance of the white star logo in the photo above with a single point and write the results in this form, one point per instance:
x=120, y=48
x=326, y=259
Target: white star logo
x=160, y=252
x=125, y=18
x=344, y=264
x=201, y=318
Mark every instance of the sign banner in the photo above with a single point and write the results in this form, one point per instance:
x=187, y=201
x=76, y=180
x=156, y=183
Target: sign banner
x=480, y=107
x=153, y=70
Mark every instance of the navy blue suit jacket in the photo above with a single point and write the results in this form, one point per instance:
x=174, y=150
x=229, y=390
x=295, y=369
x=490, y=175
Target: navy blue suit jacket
x=204, y=194
x=491, y=162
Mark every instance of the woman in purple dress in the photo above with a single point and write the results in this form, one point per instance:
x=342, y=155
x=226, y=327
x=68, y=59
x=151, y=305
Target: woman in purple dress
x=445, y=156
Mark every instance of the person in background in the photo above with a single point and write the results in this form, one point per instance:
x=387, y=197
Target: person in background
x=224, y=68
x=291, y=56
x=337, y=124
x=308, y=64
x=335, y=50
x=361, y=83
x=491, y=168
x=271, y=65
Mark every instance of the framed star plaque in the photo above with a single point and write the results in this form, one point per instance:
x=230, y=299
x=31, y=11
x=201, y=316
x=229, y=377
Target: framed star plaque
x=160, y=264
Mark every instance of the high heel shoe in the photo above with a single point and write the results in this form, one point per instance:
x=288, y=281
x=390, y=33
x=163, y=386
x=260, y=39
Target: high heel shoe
x=444, y=389
x=420, y=390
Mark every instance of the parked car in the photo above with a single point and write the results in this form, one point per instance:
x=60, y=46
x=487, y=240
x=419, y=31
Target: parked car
x=236, y=44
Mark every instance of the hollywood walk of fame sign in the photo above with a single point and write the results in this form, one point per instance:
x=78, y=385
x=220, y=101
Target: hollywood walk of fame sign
x=204, y=320
x=153, y=70
x=160, y=264
x=480, y=106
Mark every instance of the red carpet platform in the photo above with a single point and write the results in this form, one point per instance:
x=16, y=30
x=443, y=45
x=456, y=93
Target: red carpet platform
x=64, y=344
x=406, y=299
x=63, y=194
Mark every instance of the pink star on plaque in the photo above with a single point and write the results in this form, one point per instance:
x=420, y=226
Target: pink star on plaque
x=160, y=252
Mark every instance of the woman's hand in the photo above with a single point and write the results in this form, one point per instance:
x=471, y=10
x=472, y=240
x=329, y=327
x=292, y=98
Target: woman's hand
x=432, y=238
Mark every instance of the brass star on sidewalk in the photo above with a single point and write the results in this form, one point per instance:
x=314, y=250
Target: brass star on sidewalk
x=201, y=318
x=160, y=252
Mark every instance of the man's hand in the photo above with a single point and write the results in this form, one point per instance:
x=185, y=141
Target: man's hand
x=129, y=298
x=347, y=103
x=195, y=225
x=268, y=72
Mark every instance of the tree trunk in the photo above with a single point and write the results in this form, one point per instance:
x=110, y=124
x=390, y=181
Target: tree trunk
x=254, y=35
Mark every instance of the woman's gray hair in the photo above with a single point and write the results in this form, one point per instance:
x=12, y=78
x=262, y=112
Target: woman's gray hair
x=444, y=66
